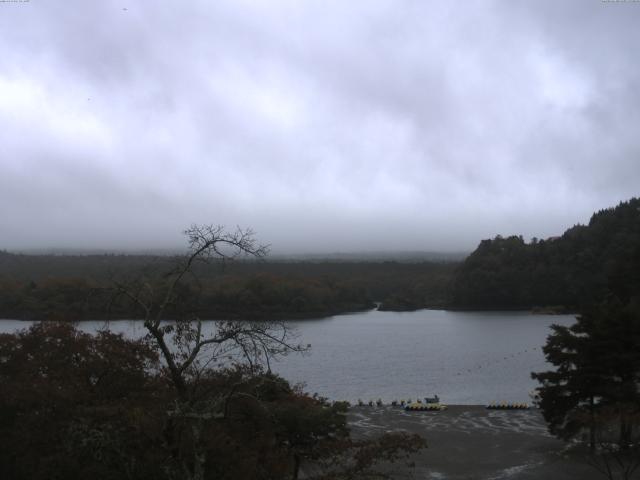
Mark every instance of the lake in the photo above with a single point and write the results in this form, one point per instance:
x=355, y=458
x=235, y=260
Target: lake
x=464, y=357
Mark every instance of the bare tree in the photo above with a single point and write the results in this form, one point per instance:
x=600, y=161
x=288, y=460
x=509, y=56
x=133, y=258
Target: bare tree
x=190, y=348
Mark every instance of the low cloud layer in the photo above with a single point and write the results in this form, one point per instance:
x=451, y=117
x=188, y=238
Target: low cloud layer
x=324, y=126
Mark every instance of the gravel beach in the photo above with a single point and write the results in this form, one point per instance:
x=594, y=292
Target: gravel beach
x=471, y=442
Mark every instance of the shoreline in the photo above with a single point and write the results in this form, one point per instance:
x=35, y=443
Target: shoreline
x=472, y=442
x=290, y=317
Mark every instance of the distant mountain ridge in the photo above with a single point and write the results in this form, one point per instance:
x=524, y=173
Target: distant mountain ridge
x=583, y=265
x=400, y=256
x=403, y=256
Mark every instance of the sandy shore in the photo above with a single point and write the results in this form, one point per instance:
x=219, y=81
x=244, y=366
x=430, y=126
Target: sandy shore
x=471, y=442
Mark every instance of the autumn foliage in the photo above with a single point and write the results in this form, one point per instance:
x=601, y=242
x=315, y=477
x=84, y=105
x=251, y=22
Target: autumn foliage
x=75, y=405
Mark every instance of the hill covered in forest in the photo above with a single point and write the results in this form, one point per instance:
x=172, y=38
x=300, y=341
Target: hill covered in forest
x=76, y=287
x=563, y=273
x=585, y=264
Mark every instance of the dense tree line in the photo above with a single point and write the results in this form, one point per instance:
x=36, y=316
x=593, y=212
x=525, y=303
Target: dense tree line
x=570, y=271
x=72, y=287
x=565, y=272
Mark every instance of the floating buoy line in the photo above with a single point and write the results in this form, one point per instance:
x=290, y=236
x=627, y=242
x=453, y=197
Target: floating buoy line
x=508, y=406
x=494, y=363
x=425, y=407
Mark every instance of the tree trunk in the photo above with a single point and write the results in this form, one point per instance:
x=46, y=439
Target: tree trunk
x=625, y=433
x=199, y=454
x=296, y=466
x=592, y=426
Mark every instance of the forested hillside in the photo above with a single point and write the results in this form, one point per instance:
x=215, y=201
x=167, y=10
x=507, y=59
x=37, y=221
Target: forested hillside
x=77, y=287
x=580, y=267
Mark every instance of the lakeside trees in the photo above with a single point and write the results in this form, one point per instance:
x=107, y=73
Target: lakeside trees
x=68, y=287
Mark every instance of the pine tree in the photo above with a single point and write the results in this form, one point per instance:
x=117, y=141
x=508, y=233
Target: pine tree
x=597, y=364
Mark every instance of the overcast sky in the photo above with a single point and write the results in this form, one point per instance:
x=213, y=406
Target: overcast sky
x=323, y=125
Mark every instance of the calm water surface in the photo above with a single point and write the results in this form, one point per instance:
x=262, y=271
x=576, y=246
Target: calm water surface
x=464, y=357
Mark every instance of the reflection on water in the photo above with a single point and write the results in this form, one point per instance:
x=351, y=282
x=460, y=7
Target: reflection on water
x=464, y=357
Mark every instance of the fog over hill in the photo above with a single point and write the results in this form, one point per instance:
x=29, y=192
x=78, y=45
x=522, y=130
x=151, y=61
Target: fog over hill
x=388, y=256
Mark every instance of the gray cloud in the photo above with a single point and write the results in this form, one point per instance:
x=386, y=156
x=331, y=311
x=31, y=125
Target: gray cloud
x=323, y=125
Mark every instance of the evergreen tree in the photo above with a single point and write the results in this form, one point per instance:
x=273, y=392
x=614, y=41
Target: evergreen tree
x=597, y=364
